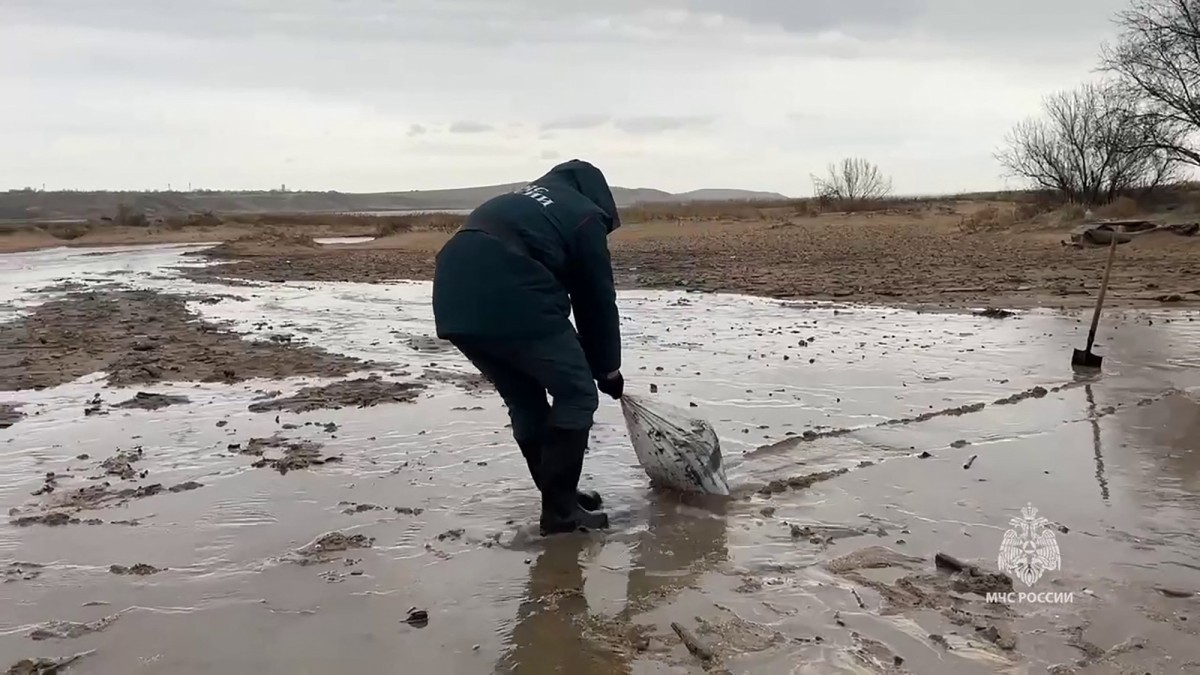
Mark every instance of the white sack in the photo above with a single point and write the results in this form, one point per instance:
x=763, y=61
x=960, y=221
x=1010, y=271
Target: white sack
x=676, y=450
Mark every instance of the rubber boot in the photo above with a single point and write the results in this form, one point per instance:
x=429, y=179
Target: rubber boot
x=532, y=451
x=562, y=462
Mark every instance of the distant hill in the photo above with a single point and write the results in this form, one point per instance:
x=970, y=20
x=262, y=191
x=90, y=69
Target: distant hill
x=721, y=195
x=21, y=204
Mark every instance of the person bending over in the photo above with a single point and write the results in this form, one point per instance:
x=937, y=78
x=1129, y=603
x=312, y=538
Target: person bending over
x=504, y=289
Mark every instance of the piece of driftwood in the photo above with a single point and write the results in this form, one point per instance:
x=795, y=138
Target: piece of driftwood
x=858, y=599
x=1124, y=231
x=693, y=644
x=945, y=561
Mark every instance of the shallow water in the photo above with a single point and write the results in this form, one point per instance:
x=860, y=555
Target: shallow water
x=343, y=240
x=1112, y=458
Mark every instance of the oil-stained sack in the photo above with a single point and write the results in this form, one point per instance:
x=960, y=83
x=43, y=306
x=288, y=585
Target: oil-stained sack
x=676, y=450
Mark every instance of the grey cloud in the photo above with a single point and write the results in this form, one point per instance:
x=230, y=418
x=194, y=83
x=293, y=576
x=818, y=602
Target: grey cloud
x=815, y=16
x=954, y=21
x=576, y=122
x=470, y=127
x=651, y=124
x=474, y=21
x=325, y=72
x=987, y=24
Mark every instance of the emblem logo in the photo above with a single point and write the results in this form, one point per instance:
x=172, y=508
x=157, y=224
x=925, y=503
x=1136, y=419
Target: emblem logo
x=1029, y=549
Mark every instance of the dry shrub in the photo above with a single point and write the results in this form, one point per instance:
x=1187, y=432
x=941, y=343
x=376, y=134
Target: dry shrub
x=853, y=205
x=265, y=241
x=893, y=205
x=807, y=208
x=1028, y=206
x=67, y=231
x=1046, y=200
x=307, y=219
x=278, y=236
x=382, y=225
x=990, y=217
x=136, y=219
x=742, y=210
x=206, y=219
x=435, y=222
x=418, y=222
x=201, y=220
x=1071, y=214
x=1122, y=207
x=1029, y=210
x=391, y=226
x=1181, y=197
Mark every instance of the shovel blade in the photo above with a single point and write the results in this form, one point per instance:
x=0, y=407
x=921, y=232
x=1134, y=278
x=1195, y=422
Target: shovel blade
x=1081, y=358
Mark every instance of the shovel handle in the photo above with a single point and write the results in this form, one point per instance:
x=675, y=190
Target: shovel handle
x=1112, y=253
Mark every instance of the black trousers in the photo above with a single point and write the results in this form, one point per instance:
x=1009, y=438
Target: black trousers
x=524, y=372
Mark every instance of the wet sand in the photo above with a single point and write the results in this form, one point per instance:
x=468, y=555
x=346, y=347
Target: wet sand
x=860, y=442
x=31, y=237
x=142, y=337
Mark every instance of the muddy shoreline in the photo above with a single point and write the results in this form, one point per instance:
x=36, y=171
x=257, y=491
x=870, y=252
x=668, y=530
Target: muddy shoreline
x=877, y=468
x=890, y=263
x=143, y=337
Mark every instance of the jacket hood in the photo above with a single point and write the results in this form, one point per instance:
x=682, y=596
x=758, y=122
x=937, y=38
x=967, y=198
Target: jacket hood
x=589, y=181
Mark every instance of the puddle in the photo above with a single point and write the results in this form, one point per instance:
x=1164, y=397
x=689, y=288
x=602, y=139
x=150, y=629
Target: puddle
x=843, y=428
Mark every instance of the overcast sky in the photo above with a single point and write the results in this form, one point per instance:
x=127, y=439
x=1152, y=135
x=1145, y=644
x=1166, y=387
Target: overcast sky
x=373, y=95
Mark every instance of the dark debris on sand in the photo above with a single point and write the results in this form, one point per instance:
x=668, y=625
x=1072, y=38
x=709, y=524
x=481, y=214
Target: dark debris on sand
x=46, y=666
x=293, y=454
x=359, y=393
x=149, y=401
x=321, y=549
x=121, y=464
x=9, y=415
x=69, y=630
x=21, y=571
x=139, y=570
x=142, y=337
x=64, y=508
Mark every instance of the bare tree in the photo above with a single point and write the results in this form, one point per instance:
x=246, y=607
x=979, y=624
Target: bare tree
x=852, y=179
x=1157, y=58
x=1090, y=145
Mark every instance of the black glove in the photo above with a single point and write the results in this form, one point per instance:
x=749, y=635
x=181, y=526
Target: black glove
x=613, y=385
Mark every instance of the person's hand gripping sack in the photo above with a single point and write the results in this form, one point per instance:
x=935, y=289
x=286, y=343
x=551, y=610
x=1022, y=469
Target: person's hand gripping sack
x=612, y=384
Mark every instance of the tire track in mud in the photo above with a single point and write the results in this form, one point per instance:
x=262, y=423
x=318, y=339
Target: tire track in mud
x=802, y=481
x=957, y=411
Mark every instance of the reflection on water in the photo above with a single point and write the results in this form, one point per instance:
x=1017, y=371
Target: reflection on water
x=761, y=371
x=684, y=537
x=1168, y=431
x=1094, y=420
x=548, y=635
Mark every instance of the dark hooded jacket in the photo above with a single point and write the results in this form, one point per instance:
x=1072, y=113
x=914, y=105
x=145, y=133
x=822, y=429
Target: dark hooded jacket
x=525, y=260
